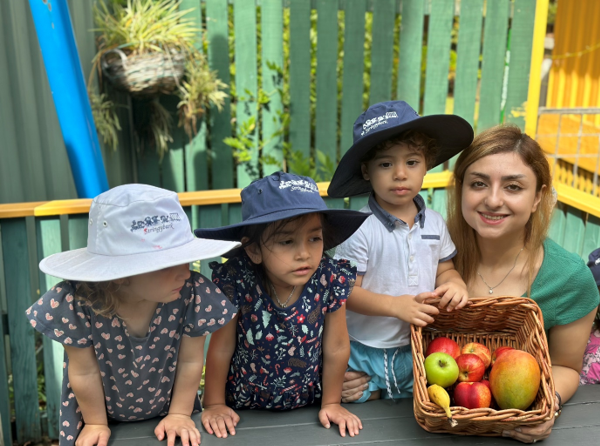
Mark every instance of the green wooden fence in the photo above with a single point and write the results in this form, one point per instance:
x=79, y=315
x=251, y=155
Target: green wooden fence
x=337, y=56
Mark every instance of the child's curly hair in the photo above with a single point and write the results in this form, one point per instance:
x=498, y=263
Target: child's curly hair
x=101, y=297
x=412, y=138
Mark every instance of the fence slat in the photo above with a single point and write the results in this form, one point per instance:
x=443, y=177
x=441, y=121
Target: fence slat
x=574, y=230
x=492, y=65
x=300, y=85
x=326, y=112
x=591, y=239
x=411, y=52
x=210, y=217
x=220, y=122
x=49, y=242
x=354, y=64
x=382, y=50
x=272, y=80
x=521, y=38
x=20, y=296
x=4, y=395
x=557, y=224
x=244, y=20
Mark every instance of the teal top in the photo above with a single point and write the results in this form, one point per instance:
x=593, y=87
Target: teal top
x=564, y=287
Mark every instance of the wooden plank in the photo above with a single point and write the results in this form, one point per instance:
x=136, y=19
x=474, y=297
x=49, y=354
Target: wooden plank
x=357, y=203
x=210, y=217
x=5, y=413
x=354, y=64
x=300, y=81
x=272, y=81
x=326, y=112
x=411, y=44
x=172, y=166
x=220, y=121
x=438, y=57
x=467, y=59
x=382, y=50
x=574, y=230
x=49, y=237
x=438, y=201
x=557, y=224
x=492, y=65
x=244, y=20
x=591, y=239
x=520, y=61
x=148, y=166
x=20, y=296
x=78, y=231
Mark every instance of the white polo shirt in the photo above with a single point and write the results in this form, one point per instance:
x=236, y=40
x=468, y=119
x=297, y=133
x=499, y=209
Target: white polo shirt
x=394, y=260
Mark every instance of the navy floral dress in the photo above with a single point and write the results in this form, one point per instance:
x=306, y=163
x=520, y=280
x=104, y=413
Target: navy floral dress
x=137, y=373
x=278, y=356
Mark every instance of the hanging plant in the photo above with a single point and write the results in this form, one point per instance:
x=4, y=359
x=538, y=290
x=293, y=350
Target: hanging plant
x=147, y=48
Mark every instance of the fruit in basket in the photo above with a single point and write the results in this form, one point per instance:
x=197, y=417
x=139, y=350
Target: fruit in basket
x=439, y=396
x=470, y=368
x=498, y=352
x=441, y=369
x=515, y=379
x=478, y=349
x=443, y=345
x=472, y=395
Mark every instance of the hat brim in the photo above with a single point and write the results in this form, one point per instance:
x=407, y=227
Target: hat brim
x=81, y=265
x=345, y=222
x=451, y=132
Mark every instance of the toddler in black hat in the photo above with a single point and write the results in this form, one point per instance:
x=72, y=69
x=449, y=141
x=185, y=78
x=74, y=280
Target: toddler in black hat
x=403, y=250
x=288, y=345
x=590, y=372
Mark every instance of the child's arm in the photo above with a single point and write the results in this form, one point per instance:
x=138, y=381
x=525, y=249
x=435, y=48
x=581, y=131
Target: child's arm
x=406, y=307
x=336, y=352
x=86, y=382
x=178, y=422
x=450, y=287
x=217, y=417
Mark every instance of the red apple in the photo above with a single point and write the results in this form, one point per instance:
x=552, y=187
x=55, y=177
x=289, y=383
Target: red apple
x=472, y=395
x=478, y=349
x=498, y=352
x=443, y=345
x=514, y=379
x=470, y=368
x=487, y=383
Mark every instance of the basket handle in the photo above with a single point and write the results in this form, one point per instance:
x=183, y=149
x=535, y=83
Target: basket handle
x=117, y=51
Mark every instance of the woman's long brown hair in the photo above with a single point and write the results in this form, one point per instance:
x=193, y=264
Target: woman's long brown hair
x=499, y=139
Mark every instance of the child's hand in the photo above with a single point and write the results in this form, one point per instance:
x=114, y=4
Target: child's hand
x=416, y=310
x=335, y=413
x=174, y=425
x=219, y=419
x=93, y=434
x=454, y=295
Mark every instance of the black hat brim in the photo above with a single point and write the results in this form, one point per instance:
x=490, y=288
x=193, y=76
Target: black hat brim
x=452, y=134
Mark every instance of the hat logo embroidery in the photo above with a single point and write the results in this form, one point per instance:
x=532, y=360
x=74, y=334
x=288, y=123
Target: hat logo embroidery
x=299, y=185
x=156, y=223
x=373, y=123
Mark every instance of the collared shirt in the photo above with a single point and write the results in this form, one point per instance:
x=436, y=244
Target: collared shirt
x=394, y=260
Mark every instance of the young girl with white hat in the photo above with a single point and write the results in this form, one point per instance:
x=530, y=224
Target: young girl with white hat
x=132, y=317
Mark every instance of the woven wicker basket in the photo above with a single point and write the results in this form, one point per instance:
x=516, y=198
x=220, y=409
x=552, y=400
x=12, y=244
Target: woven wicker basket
x=144, y=74
x=494, y=322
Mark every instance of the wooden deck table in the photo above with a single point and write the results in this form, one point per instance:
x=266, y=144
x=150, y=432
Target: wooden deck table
x=384, y=422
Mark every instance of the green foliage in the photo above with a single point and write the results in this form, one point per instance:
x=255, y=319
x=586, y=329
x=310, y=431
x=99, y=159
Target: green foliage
x=106, y=119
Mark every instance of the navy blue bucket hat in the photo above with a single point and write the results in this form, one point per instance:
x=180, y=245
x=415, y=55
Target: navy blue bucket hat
x=284, y=195
x=385, y=120
x=594, y=265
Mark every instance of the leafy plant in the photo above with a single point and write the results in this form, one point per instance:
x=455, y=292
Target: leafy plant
x=106, y=119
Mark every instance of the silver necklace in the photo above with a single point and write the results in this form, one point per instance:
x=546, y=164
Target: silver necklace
x=509, y=271
x=284, y=304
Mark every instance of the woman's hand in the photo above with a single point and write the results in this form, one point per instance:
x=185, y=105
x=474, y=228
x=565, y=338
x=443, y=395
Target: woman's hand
x=93, y=434
x=219, y=419
x=178, y=425
x=354, y=385
x=535, y=433
x=335, y=413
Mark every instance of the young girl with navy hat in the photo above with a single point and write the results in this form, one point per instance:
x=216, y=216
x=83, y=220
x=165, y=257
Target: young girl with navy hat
x=288, y=345
x=132, y=317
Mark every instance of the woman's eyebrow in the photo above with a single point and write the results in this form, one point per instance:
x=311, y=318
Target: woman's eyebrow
x=504, y=178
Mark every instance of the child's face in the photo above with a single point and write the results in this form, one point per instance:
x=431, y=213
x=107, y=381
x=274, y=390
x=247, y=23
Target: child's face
x=158, y=286
x=291, y=256
x=396, y=175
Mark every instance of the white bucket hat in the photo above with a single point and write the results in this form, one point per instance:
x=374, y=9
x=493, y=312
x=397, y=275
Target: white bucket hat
x=133, y=229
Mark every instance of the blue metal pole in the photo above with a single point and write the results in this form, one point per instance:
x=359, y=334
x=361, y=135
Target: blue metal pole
x=57, y=42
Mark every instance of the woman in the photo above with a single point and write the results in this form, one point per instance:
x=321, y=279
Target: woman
x=499, y=212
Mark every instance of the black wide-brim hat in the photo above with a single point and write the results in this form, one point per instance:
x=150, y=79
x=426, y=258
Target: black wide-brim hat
x=385, y=120
x=281, y=196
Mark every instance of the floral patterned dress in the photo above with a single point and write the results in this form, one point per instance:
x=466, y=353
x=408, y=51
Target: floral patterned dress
x=590, y=372
x=278, y=355
x=137, y=373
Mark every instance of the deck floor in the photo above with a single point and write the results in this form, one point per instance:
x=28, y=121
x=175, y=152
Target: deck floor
x=384, y=422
